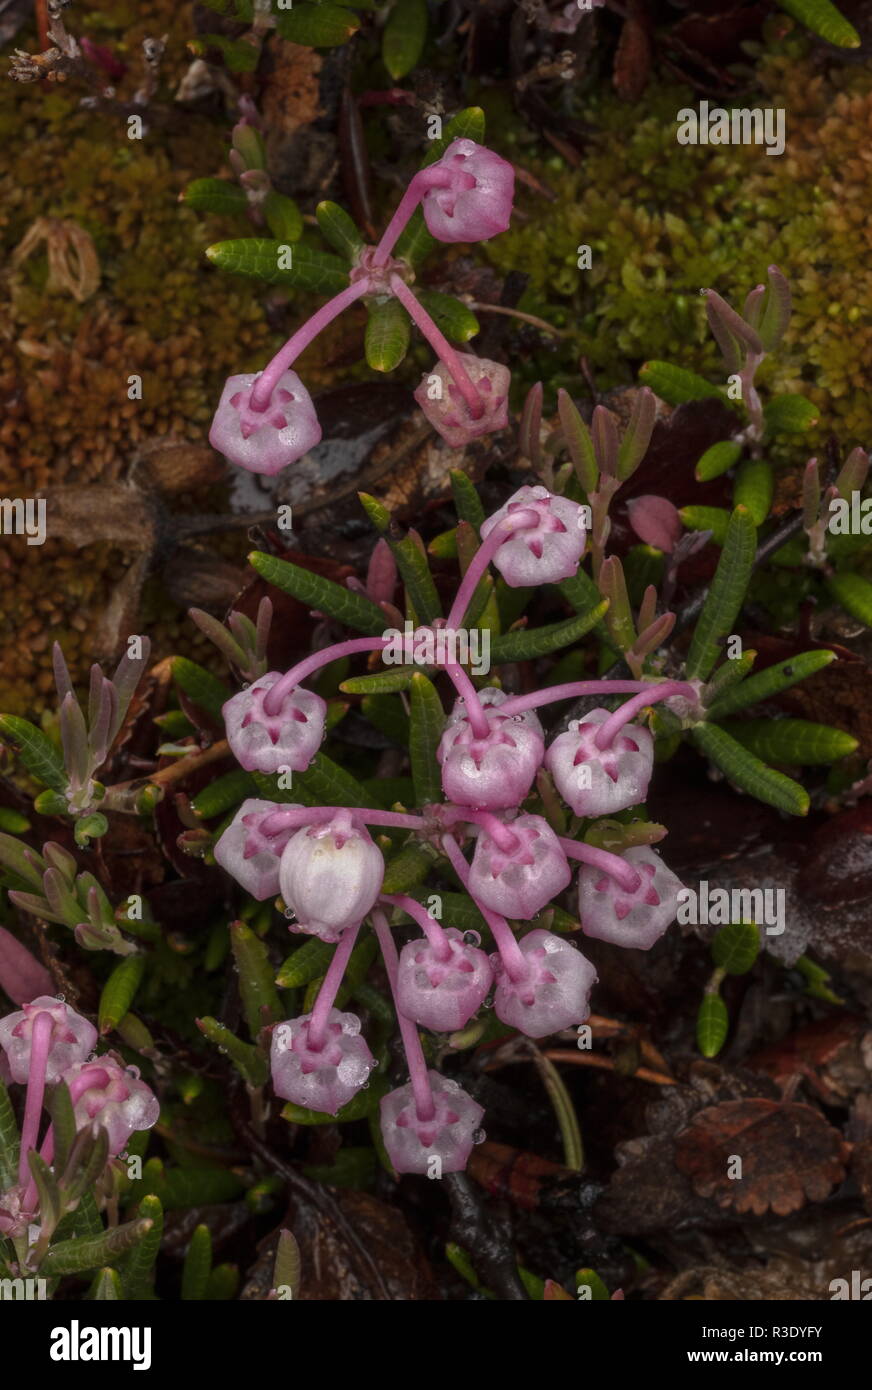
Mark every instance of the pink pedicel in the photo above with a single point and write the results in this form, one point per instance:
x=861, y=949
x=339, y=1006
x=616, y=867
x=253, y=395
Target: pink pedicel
x=251, y=857
x=111, y=1094
x=264, y=441
x=263, y=742
x=449, y=413
x=597, y=781
x=323, y=1078
x=443, y=992
x=542, y=554
x=519, y=881
x=554, y=992
x=72, y=1038
x=477, y=203
x=330, y=876
x=495, y=772
x=638, y=918
x=447, y=1134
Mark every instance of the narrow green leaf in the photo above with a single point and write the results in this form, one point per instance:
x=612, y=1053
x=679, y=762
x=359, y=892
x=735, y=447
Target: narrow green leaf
x=468, y=124
x=381, y=682
x=317, y=25
x=260, y=1001
x=201, y=687
x=452, y=317
x=388, y=716
x=283, y=217
x=197, y=1265
x=675, y=385
x=525, y=644
x=578, y=442
x=789, y=414
x=736, y=947
x=714, y=519
x=138, y=1266
x=417, y=579
x=403, y=37
x=325, y=783
x=308, y=962
x=315, y=591
x=339, y=229
x=823, y=19
x=286, y=1271
x=215, y=195
x=749, y=773
x=36, y=751
x=248, y=1059
x=427, y=723
x=388, y=328
x=106, y=1287
x=467, y=502
x=853, y=592
x=9, y=1148
x=119, y=992
x=223, y=794
x=238, y=55
x=223, y=1283
x=408, y=867
x=712, y=1025
x=753, y=488
x=63, y=1121
x=791, y=740
x=725, y=595
x=764, y=684
x=76, y=1256
x=276, y=263
x=718, y=459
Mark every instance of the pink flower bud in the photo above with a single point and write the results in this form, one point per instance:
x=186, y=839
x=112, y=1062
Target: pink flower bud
x=72, y=1038
x=268, y=742
x=325, y=1079
x=21, y=975
x=477, y=203
x=412, y=1143
x=111, y=1094
x=555, y=992
x=264, y=441
x=655, y=521
x=611, y=913
x=444, y=405
x=599, y=782
x=251, y=857
x=443, y=994
x=542, y=554
x=330, y=876
x=494, y=772
x=519, y=882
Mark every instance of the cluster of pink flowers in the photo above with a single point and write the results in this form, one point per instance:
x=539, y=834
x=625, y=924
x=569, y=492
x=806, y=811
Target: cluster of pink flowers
x=266, y=420
x=45, y=1043
x=329, y=871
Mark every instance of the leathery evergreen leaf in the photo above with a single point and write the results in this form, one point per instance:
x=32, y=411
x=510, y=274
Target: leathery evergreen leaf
x=772, y=681
x=749, y=773
x=315, y=591
x=725, y=596
x=427, y=723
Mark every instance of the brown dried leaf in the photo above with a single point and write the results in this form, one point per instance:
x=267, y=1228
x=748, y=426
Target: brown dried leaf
x=790, y=1154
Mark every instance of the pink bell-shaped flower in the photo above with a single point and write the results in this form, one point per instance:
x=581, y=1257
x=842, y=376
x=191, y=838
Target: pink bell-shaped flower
x=443, y=994
x=477, y=203
x=248, y=855
x=449, y=413
x=542, y=554
x=264, y=742
x=519, y=882
x=555, y=991
x=325, y=1078
x=264, y=441
x=449, y=1135
x=600, y=781
x=611, y=913
x=111, y=1094
x=494, y=772
x=72, y=1038
x=330, y=876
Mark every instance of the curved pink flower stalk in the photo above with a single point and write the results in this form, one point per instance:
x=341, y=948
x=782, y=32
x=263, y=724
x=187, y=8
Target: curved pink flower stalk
x=572, y=690
x=510, y=953
x=478, y=720
x=522, y=520
x=653, y=695
x=287, y=355
x=330, y=988
x=421, y=183
x=626, y=877
x=315, y=662
x=424, y=1103
x=40, y=1044
x=444, y=351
